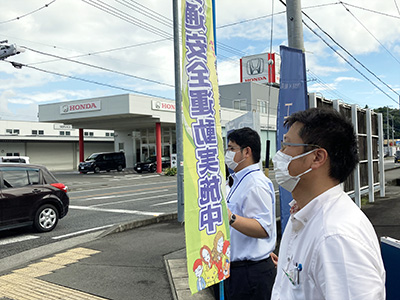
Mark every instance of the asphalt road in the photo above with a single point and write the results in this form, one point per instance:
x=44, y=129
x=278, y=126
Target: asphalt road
x=98, y=201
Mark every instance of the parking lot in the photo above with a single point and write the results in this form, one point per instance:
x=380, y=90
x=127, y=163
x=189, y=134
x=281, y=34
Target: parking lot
x=97, y=202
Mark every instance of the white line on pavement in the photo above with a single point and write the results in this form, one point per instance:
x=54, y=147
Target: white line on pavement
x=132, y=200
x=121, y=211
x=124, y=195
x=81, y=232
x=18, y=239
x=119, y=187
x=165, y=203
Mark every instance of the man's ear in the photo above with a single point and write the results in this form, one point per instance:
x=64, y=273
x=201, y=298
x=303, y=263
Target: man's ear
x=248, y=152
x=320, y=158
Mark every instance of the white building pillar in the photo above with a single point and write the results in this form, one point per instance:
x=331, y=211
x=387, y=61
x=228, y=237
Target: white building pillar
x=123, y=141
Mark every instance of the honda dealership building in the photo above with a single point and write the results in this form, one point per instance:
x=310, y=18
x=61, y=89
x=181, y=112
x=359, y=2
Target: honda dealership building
x=68, y=132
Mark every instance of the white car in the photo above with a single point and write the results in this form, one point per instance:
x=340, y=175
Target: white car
x=14, y=159
x=9, y=50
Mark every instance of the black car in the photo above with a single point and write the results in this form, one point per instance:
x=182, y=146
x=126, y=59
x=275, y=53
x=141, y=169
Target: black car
x=150, y=164
x=397, y=156
x=108, y=161
x=31, y=195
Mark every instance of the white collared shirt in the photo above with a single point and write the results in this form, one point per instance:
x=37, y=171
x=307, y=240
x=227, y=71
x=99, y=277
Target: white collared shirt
x=252, y=196
x=337, y=248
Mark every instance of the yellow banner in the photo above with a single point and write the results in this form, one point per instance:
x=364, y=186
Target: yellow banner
x=206, y=219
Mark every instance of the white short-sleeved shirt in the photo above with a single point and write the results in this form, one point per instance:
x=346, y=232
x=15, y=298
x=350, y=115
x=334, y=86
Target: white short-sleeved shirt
x=329, y=250
x=252, y=196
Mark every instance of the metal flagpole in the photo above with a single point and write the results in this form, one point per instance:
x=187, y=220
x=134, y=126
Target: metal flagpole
x=178, y=113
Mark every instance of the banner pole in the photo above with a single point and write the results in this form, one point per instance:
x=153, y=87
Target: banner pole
x=178, y=114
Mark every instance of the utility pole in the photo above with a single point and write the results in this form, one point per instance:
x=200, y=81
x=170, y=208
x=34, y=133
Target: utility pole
x=178, y=113
x=294, y=24
x=387, y=131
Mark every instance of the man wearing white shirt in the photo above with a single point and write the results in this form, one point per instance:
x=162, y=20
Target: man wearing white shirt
x=251, y=209
x=329, y=249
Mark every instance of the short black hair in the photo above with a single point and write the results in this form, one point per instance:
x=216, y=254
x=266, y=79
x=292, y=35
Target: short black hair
x=330, y=130
x=247, y=137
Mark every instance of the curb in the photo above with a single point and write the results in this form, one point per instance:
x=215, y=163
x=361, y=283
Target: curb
x=136, y=224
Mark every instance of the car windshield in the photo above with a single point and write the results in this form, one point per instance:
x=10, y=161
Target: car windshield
x=92, y=157
x=151, y=159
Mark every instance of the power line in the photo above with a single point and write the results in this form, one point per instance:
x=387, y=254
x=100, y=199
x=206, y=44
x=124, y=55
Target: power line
x=147, y=12
x=27, y=14
x=349, y=63
x=100, y=68
x=146, y=26
x=370, y=10
x=348, y=10
x=128, y=18
x=395, y=3
x=329, y=89
x=104, y=51
x=271, y=15
x=346, y=60
x=20, y=65
x=352, y=56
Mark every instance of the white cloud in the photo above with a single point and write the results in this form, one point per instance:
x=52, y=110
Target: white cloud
x=70, y=28
x=353, y=79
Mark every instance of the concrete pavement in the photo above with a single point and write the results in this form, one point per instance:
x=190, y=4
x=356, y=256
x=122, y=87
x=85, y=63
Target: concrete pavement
x=145, y=263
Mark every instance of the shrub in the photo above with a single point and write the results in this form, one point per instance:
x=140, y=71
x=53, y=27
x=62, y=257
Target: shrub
x=170, y=171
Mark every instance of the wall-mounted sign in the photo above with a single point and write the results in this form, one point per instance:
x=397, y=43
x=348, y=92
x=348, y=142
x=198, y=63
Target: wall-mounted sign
x=62, y=127
x=80, y=107
x=161, y=105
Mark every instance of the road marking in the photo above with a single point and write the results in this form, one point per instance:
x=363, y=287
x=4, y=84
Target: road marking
x=124, y=195
x=80, y=184
x=132, y=200
x=120, y=211
x=18, y=239
x=165, y=203
x=121, y=192
x=81, y=232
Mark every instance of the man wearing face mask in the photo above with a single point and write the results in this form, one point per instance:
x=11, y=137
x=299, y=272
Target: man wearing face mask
x=251, y=209
x=329, y=249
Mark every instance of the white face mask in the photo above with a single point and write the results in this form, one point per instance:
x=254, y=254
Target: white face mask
x=229, y=160
x=281, y=163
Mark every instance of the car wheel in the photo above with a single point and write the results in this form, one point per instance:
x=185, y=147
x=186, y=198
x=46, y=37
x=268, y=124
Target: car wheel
x=153, y=169
x=119, y=168
x=46, y=218
x=97, y=169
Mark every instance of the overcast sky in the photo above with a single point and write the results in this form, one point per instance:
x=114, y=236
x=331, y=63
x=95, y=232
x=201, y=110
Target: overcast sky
x=126, y=46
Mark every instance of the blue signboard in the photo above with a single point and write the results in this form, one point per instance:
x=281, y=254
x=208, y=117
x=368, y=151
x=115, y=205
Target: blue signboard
x=292, y=98
x=391, y=259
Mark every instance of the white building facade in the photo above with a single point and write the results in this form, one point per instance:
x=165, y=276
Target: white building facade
x=68, y=132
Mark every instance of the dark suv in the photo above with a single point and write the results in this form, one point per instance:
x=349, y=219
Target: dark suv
x=31, y=195
x=97, y=162
x=397, y=156
x=150, y=164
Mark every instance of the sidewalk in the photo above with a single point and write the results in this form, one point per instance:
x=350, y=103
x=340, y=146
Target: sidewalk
x=146, y=263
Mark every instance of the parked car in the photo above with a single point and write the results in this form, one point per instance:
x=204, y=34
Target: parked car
x=15, y=159
x=150, y=164
x=107, y=161
x=397, y=156
x=31, y=195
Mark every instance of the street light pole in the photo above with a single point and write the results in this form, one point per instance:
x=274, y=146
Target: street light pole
x=387, y=131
